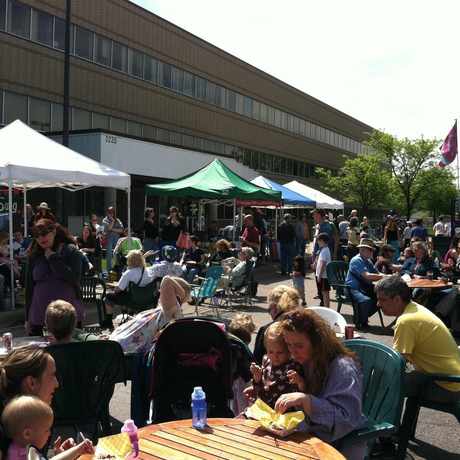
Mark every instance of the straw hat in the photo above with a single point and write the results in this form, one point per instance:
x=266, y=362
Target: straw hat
x=366, y=243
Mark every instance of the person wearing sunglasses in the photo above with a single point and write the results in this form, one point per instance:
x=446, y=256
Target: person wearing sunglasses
x=53, y=273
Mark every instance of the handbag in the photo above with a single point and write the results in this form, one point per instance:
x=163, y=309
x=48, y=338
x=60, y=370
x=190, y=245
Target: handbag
x=145, y=295
x=183, y=241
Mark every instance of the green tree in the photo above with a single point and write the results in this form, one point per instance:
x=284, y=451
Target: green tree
x=408, y=160
x=363, y=181
x=437, y=191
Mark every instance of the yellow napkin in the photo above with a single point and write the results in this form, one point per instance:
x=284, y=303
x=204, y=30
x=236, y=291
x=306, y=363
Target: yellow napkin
x=271, y=419
x=117, y=445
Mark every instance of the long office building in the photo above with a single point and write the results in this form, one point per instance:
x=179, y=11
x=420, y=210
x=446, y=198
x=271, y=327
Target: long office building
x=137, y=76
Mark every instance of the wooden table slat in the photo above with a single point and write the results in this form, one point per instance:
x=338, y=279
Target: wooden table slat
x=258, y=451
x=270, y=440
x=224, y=445
x=198, y=443
x=166, y=450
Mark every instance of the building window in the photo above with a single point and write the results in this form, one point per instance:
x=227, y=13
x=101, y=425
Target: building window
x=136, y=63
x=162, y=135
x=101, y=121
x=19, y=19
x=231, y=100
x=177, y=77
x=134, y=129
x=150, y=69
x=15, y=107
x=42, y=27
x=189, y=84
x=59, y=34
x=200, y=88
x=40, y=114
x=239, y=104
x=220, y=96
x=56, y=117
x=247, y=106
x=118, y=125
x=81, y=119
x=119, y=57
x=188, y=141
x=263, y=113
x=103, y=50
x=271, y=115
x=84, y=43
x=165, y=75
x=211, y=93
x=256, y=110
x=2, y=14
x=149, y=132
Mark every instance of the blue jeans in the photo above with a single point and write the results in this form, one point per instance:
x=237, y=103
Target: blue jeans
x=287, y=251
x=300, y=244
x=367, y=306
x=111, y=243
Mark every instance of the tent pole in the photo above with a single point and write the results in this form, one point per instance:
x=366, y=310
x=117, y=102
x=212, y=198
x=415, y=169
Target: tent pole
x=25, y=212
x=234, y=219
x=128, y=191
x=276, y=223
x=10, y=215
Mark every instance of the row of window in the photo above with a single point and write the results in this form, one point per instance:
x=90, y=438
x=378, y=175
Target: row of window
x=48, y=30
x=46, y=116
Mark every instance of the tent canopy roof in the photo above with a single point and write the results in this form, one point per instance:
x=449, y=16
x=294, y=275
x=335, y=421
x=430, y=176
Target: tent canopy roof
x=33, y=160
x=215, y=180
x=322, y=200
x=289, y=197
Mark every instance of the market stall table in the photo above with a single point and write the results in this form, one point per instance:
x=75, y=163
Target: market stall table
x=228, y=439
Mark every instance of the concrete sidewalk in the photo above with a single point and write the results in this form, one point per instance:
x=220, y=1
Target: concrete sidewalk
x=438, y=434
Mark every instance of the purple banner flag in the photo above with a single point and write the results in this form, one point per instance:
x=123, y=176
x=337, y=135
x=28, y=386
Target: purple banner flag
x=449, y=148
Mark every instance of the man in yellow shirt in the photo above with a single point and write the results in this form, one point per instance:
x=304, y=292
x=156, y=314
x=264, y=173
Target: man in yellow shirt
x=423, y=339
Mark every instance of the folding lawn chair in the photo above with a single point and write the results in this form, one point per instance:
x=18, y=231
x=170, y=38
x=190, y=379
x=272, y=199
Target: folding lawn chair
x=208, y=289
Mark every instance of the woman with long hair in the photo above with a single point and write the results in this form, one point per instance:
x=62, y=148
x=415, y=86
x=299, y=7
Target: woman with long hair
x=54, y=267
x=150, y=230
x=332, y=399
x=89, y=245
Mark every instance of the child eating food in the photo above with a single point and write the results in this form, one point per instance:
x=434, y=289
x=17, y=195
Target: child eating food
x=278, y=374
x=27, y=421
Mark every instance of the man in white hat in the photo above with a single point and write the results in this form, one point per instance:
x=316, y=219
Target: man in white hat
x=361, y=274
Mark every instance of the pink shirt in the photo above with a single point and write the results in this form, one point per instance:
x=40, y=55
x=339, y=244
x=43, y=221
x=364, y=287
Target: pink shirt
x=16, y=452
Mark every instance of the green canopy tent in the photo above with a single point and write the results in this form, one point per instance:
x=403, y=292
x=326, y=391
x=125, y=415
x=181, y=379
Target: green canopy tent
x=215, y=181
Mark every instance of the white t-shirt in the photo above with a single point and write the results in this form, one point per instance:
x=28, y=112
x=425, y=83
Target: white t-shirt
x=439, y=229
x=134, y=275
x=324, y=255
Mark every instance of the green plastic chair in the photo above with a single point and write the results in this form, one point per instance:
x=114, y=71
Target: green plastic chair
x=383, y=374
x=336, y=274
x=208, y=288
x=412, y=409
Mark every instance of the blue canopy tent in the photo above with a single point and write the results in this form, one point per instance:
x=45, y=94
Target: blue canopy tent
x=290, y=198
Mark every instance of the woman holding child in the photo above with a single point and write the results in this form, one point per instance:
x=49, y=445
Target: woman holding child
x=27, y=385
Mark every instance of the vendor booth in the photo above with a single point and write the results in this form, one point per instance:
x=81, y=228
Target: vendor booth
x=322, y=200
x=31, y=160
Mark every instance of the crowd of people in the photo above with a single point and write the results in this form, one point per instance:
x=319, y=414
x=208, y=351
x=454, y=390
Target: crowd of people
x=299, y=363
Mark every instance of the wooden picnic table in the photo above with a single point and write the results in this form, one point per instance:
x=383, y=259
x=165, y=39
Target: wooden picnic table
x=228, y=439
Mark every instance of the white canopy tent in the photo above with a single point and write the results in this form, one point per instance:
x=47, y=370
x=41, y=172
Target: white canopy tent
x=31, y=160
x=322, y=200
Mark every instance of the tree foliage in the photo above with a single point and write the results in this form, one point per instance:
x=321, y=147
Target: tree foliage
x=363, y=181
x=408, y=161
x=437, y=190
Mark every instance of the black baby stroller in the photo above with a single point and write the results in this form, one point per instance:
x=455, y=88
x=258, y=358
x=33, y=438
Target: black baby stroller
x=191, y=352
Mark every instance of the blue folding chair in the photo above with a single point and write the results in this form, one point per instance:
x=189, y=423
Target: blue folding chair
x=207, y=289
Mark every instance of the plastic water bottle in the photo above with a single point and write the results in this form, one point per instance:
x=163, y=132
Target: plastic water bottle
x=131, y=429
x=199, y=408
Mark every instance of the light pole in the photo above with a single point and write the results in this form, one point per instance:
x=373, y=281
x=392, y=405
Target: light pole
x=66, y=109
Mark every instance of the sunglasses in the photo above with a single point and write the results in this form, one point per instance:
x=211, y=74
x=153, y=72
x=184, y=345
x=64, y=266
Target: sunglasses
x=42, y=231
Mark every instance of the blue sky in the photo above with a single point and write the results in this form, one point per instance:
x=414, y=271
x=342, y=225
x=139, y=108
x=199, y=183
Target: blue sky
x=393, y=64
